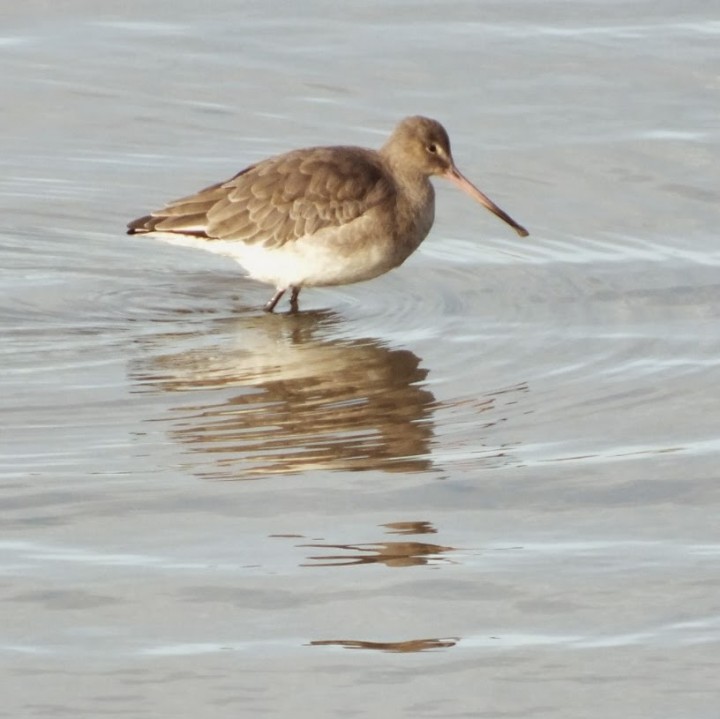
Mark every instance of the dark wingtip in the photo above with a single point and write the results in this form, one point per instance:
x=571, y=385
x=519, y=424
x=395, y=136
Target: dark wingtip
x=139, y=226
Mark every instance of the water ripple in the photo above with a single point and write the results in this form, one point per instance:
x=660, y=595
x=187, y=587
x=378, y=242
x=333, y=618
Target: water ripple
x=465, y=357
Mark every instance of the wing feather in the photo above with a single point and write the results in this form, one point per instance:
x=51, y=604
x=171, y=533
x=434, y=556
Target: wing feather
x=280, y=199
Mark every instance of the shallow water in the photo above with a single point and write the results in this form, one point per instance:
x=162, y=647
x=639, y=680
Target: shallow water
x=485, y=484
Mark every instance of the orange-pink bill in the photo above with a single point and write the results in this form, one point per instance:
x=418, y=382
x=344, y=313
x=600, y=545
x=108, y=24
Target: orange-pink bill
x=457, y=178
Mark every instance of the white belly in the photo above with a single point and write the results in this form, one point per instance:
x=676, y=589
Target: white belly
x=334, y=256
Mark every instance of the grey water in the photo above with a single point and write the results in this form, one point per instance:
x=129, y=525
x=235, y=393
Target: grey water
x=483, y=485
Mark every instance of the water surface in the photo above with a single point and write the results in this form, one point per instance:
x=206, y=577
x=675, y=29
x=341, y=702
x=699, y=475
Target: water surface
x=482, y=485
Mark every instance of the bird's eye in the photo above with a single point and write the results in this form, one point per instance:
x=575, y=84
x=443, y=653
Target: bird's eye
x=432, y=148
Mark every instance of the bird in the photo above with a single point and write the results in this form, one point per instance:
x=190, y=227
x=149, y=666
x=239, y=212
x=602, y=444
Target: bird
x=322, y=216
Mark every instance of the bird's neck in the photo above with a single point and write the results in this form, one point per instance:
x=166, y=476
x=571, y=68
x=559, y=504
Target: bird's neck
x=411, y=181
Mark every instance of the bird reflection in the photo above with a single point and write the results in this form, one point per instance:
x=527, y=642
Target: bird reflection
x=391, y=554
x=411, y=645
x=418, y=527
x=282, y=395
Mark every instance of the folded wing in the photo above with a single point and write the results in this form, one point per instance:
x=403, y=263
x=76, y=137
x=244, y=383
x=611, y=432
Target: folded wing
x=280, y=199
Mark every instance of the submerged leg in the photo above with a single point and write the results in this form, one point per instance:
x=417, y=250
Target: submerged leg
x=294, y=299
x=270, y=305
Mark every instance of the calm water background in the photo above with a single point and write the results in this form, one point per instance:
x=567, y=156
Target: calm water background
x=485, y=485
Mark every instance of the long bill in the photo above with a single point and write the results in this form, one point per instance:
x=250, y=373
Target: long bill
x=457, y=178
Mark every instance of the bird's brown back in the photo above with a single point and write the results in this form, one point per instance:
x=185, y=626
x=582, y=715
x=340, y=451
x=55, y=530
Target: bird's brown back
x=281, y=199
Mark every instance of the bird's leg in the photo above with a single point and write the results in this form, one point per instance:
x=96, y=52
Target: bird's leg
x=270, y=306
x=294, y=300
